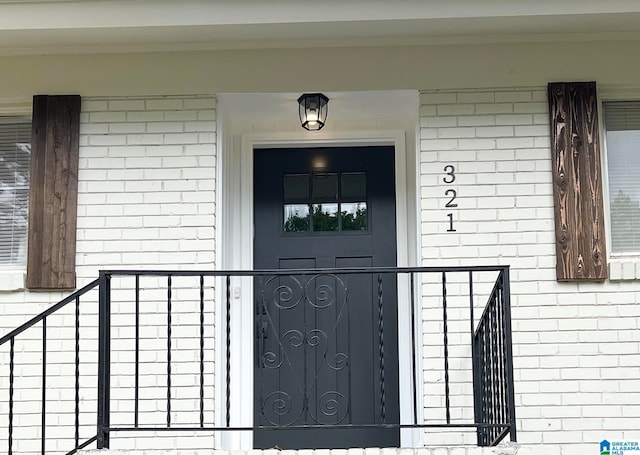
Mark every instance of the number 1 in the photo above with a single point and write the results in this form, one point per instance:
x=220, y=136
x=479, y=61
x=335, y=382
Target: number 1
x=451, y=229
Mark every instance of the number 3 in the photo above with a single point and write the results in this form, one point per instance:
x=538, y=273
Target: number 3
x=451, y=176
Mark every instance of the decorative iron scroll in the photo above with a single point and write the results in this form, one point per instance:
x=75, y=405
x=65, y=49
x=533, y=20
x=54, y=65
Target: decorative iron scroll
x=305, y=349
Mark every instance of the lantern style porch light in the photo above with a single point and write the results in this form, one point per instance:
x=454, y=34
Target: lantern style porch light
x=312, y=108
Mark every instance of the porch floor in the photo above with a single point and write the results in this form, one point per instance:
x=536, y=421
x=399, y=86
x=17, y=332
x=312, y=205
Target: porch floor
x=503, y=449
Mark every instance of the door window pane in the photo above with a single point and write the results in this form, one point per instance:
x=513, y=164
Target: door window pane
x=296, y=218
x=296, y=188
x=354, y=216
x=325, y=217
x=325, y=187
x=353, y=186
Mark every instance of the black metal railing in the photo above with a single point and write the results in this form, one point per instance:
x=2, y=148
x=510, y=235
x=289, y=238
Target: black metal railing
x=493, y=366
x=157, y=343
x=25, y=334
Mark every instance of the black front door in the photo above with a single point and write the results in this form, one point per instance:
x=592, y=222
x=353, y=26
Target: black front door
x=326, y=343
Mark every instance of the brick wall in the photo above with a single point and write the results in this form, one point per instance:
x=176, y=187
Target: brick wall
x=146, y=184
x=576, y=346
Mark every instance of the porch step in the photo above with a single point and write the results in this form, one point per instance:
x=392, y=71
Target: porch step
x=506, y=449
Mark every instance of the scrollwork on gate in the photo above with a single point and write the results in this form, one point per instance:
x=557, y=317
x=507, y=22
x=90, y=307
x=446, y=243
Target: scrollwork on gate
x=302, y=355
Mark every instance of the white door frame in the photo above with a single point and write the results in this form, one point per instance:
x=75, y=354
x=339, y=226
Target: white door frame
x=235, y=248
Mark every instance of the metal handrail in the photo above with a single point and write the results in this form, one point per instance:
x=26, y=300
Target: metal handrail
x=17, y=331
x=11, y=337
x=312, y=271
x=502, y=282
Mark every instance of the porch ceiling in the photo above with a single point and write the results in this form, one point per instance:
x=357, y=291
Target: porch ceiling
x=41, y=26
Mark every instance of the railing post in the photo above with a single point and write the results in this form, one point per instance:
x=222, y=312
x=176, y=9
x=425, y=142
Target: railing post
x=104, y=352
x=506, y=295
x=475, y=363
x=477, y=390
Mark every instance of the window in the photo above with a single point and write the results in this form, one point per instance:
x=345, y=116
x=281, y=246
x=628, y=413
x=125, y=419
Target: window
x=15, y=159
x=622, y=124
x=325, y=201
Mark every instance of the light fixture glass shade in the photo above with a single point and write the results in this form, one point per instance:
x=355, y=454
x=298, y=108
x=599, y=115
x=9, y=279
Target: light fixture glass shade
x=312, y=108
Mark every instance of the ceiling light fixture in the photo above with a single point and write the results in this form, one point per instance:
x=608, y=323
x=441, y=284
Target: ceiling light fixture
x=312, y=108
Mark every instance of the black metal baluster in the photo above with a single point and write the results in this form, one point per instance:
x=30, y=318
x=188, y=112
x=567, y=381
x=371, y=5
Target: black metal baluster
x=228, y=301
x=509, y=354
x=494, y=367
x=305, y=361
x=500, y=359
x=481, y=412
x=490, y=369
x=346, y=299
x=260, y=309
x=77, y=394
x=413, y=347
x=104, y=361
x=383, y=412
x=136, y=409
x=485, y=380
x=168, y=351
x=474, y=360
x=446, y=347
x=201, y=351
x=501, y=369
x=480, y=399
x=11, y=354
x=488, y=379
x=44, y=386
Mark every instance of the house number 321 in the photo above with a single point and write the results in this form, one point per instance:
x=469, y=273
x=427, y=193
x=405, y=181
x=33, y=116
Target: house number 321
x=451, y=193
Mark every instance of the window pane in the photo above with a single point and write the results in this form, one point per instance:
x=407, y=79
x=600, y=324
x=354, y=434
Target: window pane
x=623, y=160
x=622, y=116
x=354, y=187
x=354, y=216
x=296, y=218
x=325, y=217
x=325, y=187
x=15, y=159
x=296, y=188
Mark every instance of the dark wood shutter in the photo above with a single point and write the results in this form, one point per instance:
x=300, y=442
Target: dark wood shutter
x=51, y=259
x=577, y=182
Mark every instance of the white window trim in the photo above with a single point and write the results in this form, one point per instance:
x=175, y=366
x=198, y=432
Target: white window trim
x=622, y=266
x=12, y=280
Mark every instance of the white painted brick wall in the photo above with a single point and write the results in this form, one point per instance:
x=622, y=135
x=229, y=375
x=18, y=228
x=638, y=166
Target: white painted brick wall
x=160, y=164
x=146, y=184
x=146, y=200
x=576, y=346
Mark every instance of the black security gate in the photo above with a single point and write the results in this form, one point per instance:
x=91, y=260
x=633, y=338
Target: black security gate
x=326, y=344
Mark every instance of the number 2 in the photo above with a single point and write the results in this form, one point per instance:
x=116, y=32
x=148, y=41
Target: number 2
x=450, y=204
